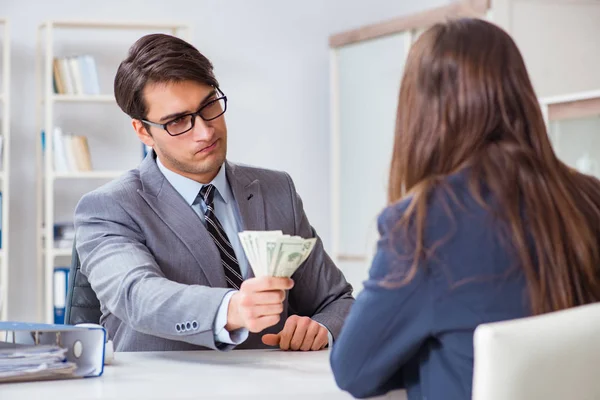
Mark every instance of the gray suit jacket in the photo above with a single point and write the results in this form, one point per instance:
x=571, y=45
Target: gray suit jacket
x=154, y=266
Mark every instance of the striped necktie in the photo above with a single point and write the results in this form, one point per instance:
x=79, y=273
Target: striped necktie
x=233, y=276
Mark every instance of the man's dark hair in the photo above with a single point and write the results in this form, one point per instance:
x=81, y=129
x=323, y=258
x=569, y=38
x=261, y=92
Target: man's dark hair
x=158, y=58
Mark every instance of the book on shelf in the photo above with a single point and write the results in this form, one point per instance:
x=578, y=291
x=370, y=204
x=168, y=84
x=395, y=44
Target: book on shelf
x=63, y=234
x=75, y=75
x=61, y=280
x=64, y=231
x=71, y=152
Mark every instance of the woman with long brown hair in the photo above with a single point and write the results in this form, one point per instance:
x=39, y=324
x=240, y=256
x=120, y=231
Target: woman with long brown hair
x=484, y=224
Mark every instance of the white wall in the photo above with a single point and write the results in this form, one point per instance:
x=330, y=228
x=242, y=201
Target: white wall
x=558, y=40
x=271, y=57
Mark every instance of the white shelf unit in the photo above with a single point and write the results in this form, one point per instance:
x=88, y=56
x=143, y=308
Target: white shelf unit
x=47, y=177
x=88, y=175
x=5, y=167
x=100, y=98
x=61, y=252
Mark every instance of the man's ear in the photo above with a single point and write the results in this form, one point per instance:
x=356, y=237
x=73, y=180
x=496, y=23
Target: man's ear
x=142, y=132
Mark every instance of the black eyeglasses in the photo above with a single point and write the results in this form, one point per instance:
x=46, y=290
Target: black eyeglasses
x=184, y=123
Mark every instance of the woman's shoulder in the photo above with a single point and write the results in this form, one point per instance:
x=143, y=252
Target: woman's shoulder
x=392, y=213
x=448, y=193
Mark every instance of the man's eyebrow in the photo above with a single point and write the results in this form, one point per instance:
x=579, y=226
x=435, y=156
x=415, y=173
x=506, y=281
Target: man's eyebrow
x=207, y=97
x=173, y=116
x=180, y=113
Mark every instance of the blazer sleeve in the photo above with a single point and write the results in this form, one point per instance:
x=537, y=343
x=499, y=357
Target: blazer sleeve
x=129, y=283
x=320, y=289
x=386, y=326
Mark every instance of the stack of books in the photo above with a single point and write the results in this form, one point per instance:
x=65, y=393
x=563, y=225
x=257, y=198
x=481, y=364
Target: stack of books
x=71, y=152
x=64, y=234
x=76, y=75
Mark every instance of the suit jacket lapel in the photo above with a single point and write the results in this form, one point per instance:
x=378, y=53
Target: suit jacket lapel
x=248, y=196
x=168, y=204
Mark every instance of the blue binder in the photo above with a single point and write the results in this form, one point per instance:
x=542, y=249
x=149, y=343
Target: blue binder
x=61, y=281
x=85, y=345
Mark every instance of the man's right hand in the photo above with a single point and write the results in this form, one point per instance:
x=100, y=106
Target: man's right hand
x=258, y=304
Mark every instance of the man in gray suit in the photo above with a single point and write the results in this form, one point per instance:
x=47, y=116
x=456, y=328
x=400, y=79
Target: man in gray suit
x=160, y=246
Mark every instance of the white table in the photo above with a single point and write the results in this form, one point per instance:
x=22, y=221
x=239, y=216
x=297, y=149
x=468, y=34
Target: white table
x=240, y=374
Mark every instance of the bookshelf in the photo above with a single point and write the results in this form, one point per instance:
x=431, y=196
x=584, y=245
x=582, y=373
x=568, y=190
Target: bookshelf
x=47, y=117
x=88, y=175
x=5, y=165
x=100, y=98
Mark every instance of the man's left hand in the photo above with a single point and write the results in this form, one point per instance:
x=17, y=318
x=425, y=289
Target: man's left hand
x=299, y=333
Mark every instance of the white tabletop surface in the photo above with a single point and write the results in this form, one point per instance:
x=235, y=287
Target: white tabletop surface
x=240, y=374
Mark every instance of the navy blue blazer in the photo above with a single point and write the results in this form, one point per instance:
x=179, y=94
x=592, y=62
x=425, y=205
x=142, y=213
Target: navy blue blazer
x=420, y=336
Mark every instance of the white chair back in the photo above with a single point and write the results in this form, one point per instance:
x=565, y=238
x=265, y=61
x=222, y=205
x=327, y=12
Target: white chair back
x=554, y=356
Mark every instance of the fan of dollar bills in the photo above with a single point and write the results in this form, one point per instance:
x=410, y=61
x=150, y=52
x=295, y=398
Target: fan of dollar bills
x=271, y=253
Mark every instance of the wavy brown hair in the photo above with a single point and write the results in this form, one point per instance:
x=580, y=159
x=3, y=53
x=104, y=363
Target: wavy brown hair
x=466, y=100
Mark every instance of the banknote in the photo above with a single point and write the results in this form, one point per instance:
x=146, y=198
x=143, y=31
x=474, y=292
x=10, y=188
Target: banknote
x=271, y=253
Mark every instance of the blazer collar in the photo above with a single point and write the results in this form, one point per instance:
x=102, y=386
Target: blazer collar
x=248, y=196
x=189, y=188
x=176, y=213
x=181, y=219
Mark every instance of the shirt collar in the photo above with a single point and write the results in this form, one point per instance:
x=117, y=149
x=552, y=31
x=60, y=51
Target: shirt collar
x=189, y=188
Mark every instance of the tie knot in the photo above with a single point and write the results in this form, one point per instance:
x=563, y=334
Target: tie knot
x=207, y=193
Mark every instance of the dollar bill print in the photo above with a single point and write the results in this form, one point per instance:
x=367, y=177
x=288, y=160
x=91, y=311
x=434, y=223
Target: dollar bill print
x=271, y=253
